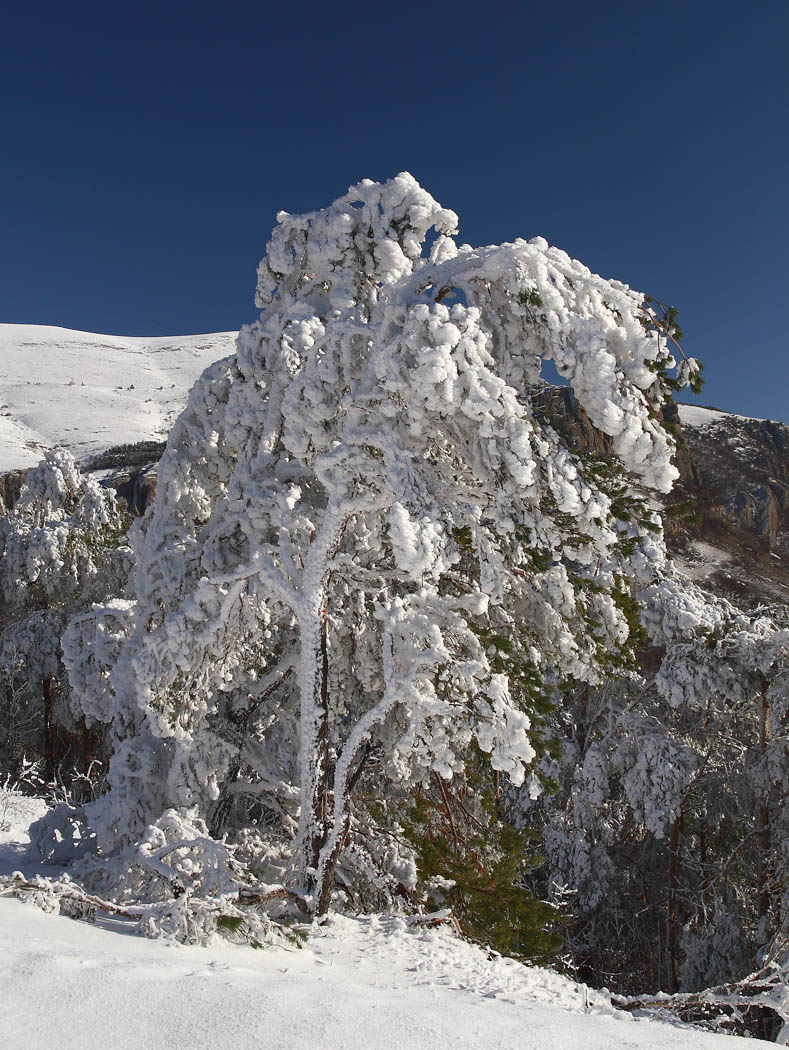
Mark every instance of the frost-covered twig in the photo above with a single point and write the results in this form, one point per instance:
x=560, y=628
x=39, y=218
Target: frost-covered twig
x=16, y=885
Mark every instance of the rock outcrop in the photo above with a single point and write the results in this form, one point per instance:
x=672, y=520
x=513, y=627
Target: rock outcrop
x=10, y=487
x=727, y=519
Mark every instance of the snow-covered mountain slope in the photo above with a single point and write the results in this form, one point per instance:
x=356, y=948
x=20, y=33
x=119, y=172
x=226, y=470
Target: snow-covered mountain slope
x=368, y=983
x=697, y=416
x=89, y=392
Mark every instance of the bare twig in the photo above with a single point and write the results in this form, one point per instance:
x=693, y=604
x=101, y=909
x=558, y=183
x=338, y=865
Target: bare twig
x=436, y=918
x=247, y=896
x=13, y=885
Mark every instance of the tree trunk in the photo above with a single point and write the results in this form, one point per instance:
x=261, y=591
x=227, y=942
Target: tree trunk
x=313, y=675
x=338, y=837
x=326, y=882
x=581, y=727
x=49, y=730
x=671, y=910
x=355, y=753
x=313, y=672
x=703, y=863
x=763, y=820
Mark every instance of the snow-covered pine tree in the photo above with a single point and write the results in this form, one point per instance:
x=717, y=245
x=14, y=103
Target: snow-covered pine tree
x=369, y=546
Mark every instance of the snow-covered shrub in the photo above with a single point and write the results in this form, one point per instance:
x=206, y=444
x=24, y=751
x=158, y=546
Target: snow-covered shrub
x=191, y=919
x=60, y=549
x=57, y=537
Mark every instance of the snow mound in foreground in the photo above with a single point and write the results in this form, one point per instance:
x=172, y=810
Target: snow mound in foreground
x=364, y=983
x=368, y=983
x=17, y=813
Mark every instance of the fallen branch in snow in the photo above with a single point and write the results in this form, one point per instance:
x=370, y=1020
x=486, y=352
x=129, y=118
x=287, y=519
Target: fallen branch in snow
x=436, y=918
x=766, y=989
x=246, y=896
x=186, y=918
x=17, y=885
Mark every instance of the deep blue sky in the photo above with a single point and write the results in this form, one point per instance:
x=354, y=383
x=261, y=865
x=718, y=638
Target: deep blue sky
x=145, y=149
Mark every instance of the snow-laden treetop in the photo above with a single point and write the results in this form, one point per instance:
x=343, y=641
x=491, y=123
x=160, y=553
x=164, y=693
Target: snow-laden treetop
x=522, y=301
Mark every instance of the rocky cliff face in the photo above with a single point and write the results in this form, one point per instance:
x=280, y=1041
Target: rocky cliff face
x=736, y=473
x=746, y=462
x=10, y=486
x=727, y=519
x=735, y=470
x=131, y=472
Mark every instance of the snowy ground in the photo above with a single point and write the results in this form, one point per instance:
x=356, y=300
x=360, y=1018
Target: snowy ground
x=701, y=560
x=696, y=416
x=366, y=983
x=89, y=392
